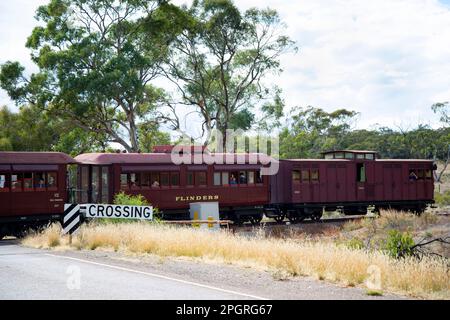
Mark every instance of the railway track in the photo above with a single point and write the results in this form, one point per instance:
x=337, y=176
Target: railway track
x=339, y=220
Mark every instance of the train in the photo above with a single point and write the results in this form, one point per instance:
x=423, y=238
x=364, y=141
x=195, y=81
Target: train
x=34, y=186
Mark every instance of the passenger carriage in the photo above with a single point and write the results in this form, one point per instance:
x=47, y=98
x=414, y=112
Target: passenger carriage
x=350, y=181
x=240, y=189
x=33, y=189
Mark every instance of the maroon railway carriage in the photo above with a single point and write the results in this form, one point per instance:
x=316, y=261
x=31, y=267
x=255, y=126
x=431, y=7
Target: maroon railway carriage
x=239, y=188
x=351, y=181
x=32, y=189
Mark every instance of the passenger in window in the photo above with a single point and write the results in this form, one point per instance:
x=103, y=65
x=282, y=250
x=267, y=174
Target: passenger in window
x=40, y=184
x=412, y=176
x=51, y=181
x=242, y=178
x=233, y=179
x=155, y=184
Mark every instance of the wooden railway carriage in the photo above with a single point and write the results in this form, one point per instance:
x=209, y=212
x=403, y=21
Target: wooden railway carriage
x=32, y=189
x=352, y=181
x=239, y=188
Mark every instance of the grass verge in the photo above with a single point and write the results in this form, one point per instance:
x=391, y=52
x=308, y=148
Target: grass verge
x=325, y=260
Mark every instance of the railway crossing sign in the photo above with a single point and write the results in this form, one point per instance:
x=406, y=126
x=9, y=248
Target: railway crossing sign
x=117, y=211
x=71, y=219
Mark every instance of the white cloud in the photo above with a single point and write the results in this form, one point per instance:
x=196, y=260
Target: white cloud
x=388, y=59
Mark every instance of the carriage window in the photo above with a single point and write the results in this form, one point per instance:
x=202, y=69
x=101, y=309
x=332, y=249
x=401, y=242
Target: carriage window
x=329, y=156
x=217, y=181
x=190, y=178
x=4, y=185
x=360, y=156
x=165, y=179
x=52, y=181
x=233, y=178
x=27, y=181
x=349, y=155
x=95, y=188
x=175, y=179
x=369, y=156
x=360, y=172
x=251, y=177
x=296, y=175
x=339, y=155
x=200, y=178
x=39, y=181
x=258, y=177
x=225, y=176
x=124, y=181
x=305, y=175
x=421, y=174
x=242, y=177
x=428, y=174
x=314, y=175
x=16, y=182
x=413, y=175
x=145, y=179
x=155, y=180
x=105, y=185
x=134, y=181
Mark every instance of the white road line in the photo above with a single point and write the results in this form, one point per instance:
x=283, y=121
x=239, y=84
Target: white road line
x=159, y=276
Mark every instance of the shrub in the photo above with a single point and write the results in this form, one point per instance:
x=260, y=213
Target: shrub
x=442, y=199
x=355, y=244
x=399, y=245
x=126, y=199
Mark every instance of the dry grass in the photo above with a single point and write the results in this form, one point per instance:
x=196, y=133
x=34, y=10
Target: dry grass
x=427, y=278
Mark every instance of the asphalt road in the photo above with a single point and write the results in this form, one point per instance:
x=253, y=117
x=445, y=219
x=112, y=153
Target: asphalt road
x=35, y=274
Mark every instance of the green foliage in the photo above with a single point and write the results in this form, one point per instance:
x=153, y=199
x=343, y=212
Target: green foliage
x=218, y=64
x=33, y=129
x=95, y=66
x=126, y=199
x=355, y=244
x=399, y=245
x=443, y=109
x=442, y=199
x=311, y=131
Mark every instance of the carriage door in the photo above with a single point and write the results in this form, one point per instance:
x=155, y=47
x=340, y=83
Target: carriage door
x=105, y=184
x=5, y=194
x=387, y=182
x=83, y=184
x=341, y=182
x=331, y=183
x=361, y=180
x=100, y=191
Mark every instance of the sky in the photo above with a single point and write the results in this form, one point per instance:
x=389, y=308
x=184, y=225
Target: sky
x=387, y=59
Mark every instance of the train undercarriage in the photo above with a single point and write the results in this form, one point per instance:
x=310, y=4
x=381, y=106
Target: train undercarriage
x=296, y=213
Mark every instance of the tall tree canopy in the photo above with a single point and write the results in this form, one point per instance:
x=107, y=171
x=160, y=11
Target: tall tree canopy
x=219, y=61
x=95, y=66
x=32, y=129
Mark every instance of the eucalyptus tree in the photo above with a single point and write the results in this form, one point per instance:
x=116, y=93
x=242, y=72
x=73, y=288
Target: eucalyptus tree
x=221, y=63
x=96, y=66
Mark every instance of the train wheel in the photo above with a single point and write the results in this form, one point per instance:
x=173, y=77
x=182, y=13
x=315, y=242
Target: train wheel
x=255, y=220
x=296, y=219
x=316, y=216
x=279, y=219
